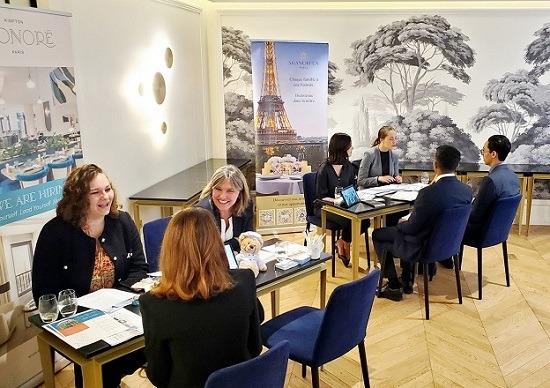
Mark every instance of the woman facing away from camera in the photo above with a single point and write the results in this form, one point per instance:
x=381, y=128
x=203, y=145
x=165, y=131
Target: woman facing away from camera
x=227, y=197
x=338, y=171
x=201, y=316
x=90, y=245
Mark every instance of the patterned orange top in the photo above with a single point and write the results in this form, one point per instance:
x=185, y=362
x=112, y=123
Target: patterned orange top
x=103, y=275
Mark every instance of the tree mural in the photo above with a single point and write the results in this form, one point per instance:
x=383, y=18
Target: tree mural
x=515, y=105
x=431, y=95
x=421, y=132
x=236, y=55
x=334, y=84
x=404, y=57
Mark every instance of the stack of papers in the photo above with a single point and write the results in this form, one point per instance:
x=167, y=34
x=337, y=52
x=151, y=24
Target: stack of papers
x=405, y=195
x=107, y=299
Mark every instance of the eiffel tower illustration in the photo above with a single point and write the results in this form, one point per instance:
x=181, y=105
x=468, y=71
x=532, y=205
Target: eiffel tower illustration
x=272, y=125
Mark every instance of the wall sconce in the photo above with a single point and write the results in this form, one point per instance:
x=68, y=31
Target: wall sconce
x=30, y=82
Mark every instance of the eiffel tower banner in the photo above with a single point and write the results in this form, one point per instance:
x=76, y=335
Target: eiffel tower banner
x=290, y=90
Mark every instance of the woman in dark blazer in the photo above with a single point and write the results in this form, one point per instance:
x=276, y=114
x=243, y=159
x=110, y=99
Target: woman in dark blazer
x=89, y=245
x=227, y=197
x=201, y=316
x=337, y=170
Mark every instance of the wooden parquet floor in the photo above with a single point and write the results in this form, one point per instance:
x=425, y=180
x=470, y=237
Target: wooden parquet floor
x=500, y=341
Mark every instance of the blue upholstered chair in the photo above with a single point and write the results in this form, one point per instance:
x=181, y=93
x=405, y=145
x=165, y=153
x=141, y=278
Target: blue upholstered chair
x=153, y=233
x=495, y=231
x=310, y=194
x=78, y=160
x=444, y=242
x=26, y=180
x=268, y=370
x=320, y=336
x=61, y=169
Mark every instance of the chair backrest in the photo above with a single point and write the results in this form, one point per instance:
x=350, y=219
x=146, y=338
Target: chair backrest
x=35, y=178
x=345, y=318
x=500, y=219
x=268, y=370
x=447, y=234
x=61, y=169
x=153, y=233
x=310, y=191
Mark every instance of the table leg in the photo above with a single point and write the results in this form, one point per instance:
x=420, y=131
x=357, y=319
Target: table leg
x=166, y=211
x=530, y=183
x=92, y=375
x=355, y=237
x=323, y=288
x=324, y=227
x=47, y=361
x=275, y=298
x=137, y=219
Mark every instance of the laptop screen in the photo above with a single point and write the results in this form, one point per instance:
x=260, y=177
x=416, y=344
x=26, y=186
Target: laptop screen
x=350, y=196
x=230, y=257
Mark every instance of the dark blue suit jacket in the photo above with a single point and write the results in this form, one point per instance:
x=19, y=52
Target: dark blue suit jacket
x=447, y=192
x=501, y=182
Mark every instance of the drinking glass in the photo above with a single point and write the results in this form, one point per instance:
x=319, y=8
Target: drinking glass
x=67, y=302
x=425, y=178
x=280, y=250
x=47, y=308
x=338, y=195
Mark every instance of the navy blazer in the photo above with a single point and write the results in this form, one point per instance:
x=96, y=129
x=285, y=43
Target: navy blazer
x=500, y=183
x=413, y=234
x=242, y=223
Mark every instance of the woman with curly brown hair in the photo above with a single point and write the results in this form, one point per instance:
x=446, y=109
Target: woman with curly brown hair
x=202, y=316
x=89, y=245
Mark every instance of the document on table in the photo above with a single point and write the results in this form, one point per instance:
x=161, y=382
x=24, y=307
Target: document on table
x=107, y=299
x=405, y=195
x=94, y=325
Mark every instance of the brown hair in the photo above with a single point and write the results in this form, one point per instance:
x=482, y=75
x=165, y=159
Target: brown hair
x=338, y=148
x=382, y=134
x=192, y=258
x=74, y=204
x=238, y=182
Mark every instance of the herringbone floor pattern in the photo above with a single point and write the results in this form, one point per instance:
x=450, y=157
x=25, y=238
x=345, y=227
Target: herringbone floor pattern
x=500, y=341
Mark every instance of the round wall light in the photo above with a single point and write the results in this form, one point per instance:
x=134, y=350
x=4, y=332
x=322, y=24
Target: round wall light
x=159, y=88
x=168, y=57
x=164, y=128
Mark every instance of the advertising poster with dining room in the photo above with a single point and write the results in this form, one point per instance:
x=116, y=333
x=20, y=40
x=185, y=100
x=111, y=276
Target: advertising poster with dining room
x=290, y=94
x=39, y=146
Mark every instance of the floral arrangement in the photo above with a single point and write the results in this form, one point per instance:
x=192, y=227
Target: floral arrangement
x=287, y=164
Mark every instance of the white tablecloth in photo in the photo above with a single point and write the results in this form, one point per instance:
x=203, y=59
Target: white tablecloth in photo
x=282, y=185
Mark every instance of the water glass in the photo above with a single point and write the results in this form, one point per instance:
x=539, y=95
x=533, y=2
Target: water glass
x=338, y=195
x=47, y=308
x=280, y=251
x=67, y=302
x=425, y=178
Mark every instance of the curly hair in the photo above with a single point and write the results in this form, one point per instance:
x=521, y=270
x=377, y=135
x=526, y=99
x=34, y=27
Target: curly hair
x=238, y=182
x=74, y=204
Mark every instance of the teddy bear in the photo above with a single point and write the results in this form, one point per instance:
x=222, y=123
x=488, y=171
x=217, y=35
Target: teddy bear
x=249, y=257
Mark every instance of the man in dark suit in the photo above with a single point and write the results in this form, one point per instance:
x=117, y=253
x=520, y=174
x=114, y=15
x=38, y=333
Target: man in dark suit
x=407, y=239
x=501, y=182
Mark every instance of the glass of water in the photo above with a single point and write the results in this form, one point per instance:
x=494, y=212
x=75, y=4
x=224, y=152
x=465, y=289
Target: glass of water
x=425, y=178
x=47, y=308
x=67, y=302
x=280, y=250
x=338, y=195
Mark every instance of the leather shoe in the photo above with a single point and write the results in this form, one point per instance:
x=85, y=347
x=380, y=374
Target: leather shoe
x=395, y=294
x=408, y=287
x=447, y=263
x=344, y=259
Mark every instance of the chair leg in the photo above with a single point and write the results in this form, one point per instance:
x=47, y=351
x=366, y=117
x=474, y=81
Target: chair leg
x=479, y=272
x=364, y=367
x=333, y=242
x=506, y=267
x=315, y=377
x=307, y=231
x=304, y=371
x=367, y=247
x=426, y=300
x=457, y=275
x=381, y=278
x=460, y=256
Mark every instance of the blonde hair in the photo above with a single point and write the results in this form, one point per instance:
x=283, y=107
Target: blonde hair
x=382, y=134
x=74, y=204
x=192, y=258
x=237, y=181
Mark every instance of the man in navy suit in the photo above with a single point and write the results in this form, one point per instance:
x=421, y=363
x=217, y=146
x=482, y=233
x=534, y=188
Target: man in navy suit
x=407, y=239
x=501, y=182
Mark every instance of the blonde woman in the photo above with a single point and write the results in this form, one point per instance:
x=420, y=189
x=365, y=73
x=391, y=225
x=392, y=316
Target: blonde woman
x=227, y=197
x=202, y=316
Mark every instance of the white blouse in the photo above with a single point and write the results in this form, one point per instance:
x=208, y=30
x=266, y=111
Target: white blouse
x=227, y=234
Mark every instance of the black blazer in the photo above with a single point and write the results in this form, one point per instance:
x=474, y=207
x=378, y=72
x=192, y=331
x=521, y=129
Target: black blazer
x=242, y=223
x=185, y=341
x=64, y=256
x=413, y=234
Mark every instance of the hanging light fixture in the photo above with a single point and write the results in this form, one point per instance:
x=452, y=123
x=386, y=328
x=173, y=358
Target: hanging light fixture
x=30, y=82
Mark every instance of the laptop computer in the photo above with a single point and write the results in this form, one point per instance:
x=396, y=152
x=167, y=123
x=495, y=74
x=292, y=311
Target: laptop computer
x=350, y=196
x=230, y=256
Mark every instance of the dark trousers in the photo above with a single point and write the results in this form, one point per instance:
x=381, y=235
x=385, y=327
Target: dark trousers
x=383, y=239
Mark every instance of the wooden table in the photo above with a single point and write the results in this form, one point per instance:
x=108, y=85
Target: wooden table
x=180, y=190
x=356, y=214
